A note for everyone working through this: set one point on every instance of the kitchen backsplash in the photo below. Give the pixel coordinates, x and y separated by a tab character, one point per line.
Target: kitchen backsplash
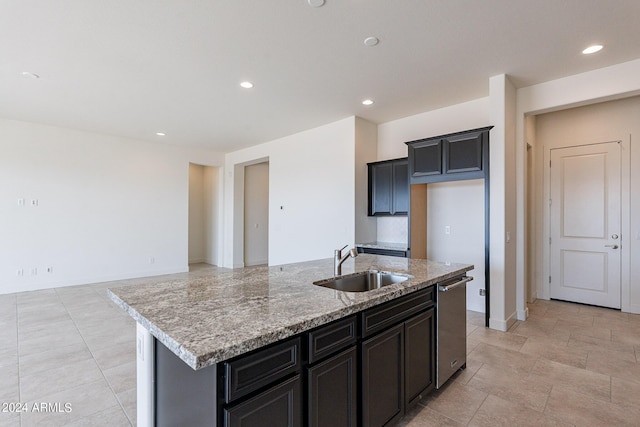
393	229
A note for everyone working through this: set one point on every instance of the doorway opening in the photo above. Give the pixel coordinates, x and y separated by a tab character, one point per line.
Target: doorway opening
256	214
204	216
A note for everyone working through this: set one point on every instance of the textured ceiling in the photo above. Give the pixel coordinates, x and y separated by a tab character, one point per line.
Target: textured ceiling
135	67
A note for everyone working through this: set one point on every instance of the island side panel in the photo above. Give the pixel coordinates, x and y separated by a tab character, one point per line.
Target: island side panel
145	356
183	396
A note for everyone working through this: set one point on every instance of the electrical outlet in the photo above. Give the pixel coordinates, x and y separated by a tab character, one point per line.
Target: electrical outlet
152	260
482	292
447	229
34	202
50	270
34	271
21	202
20	272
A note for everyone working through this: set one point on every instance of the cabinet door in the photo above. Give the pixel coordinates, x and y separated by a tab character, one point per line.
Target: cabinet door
279	406
400	197
333	391
419	356
463	153
380	189
426	158
383	377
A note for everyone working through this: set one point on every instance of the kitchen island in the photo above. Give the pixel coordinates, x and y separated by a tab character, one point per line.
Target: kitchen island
216	349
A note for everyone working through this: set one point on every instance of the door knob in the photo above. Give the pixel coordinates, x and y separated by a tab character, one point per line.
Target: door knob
611	246
614	236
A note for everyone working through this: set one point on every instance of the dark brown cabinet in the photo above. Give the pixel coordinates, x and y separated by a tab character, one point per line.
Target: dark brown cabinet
389	187
280	405
398	358
383	377
452	157
333	391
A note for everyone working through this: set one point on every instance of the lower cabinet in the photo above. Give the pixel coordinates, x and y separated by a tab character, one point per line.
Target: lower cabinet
280	405
397	369
333	391
383	377
365	370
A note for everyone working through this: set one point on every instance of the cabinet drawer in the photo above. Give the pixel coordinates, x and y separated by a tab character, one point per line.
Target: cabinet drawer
381	317
331	338
278	406
249	373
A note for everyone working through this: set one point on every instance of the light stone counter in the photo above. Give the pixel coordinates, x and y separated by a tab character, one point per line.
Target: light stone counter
206	319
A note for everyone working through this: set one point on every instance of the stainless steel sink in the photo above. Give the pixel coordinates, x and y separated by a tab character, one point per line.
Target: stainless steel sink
363	281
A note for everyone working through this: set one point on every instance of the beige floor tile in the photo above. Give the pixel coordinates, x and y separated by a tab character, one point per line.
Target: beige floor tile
9	384
122	377
518	388
555	350
500	412
110	417
583	410
603	363
631	336
85	400
64	327
9	420
115	355
623	324
128	401
42	317
56	357
471	327
456	401
48	342
597	344
118	336
625	392
536	326
592	331
506	340
425	417
476	318
502	358
538	308
580	380
464	375
472	344
8	356
56	380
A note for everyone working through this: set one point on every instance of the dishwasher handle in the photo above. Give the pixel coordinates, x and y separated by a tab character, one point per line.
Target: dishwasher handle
452	286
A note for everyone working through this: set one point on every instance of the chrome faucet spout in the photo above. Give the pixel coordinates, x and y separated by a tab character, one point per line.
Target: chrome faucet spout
339	259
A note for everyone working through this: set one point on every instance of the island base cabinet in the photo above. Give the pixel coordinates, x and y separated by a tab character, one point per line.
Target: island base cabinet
383	378
333	391
280	406
419	357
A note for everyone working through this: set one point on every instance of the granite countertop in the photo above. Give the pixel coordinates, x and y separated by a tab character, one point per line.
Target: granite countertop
385	245
208	318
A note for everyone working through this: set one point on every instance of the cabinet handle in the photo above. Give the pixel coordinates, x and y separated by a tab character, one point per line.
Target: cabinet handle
611	246
454	285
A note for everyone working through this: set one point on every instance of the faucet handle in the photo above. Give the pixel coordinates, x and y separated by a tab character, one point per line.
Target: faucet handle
342	249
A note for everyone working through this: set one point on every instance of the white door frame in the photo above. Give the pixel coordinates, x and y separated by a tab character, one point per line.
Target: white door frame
544	291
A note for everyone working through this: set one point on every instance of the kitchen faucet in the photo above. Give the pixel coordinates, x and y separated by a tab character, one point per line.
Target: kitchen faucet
339	259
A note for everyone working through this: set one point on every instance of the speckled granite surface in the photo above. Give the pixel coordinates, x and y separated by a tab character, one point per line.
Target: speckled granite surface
211	318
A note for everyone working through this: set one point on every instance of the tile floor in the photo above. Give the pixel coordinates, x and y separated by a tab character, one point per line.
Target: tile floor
568	364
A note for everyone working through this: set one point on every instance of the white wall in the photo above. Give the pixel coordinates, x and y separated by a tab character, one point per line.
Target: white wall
311	194
462	200
256	214
614	82
197	218
608	121
213	191
108	208
366	151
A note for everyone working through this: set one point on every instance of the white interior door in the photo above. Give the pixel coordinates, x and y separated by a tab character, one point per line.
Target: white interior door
585	224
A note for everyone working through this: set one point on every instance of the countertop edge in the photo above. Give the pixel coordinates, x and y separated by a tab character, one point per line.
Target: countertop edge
225	353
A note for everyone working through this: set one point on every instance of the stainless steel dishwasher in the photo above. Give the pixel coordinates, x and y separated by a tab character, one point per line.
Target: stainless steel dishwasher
451	326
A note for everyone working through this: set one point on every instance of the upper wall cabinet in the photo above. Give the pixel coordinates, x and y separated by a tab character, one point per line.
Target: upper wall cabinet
452	157
389	188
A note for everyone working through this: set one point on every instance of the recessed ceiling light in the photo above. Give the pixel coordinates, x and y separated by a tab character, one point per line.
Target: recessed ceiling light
316	3
371	41
30	75
246	85
592	49
367	102
161	134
